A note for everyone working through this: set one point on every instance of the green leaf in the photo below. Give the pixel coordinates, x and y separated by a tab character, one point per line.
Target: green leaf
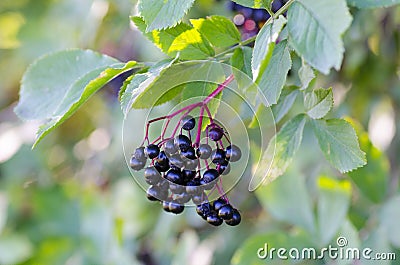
241	59
372	179
318	103
272	80
372	3
79	93
339	144
333	203
285	103
315	31
389	220
378	242
288	200
51	78
254	3
182	38
138	93
264	46
280	152
192	46
219	30
163	14
306	75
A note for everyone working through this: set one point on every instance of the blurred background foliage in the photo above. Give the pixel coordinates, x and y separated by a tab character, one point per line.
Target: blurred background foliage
73	201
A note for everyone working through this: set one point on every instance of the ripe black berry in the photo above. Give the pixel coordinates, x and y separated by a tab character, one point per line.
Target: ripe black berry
183	142
176	161
210	175
226	212
139	154
152	176
219	203
165	206
136	164
235	220
188	123
203	210
191	164
155	193
176	189
161	167
174	176
204	151
152	151
218	156
188	175
214	220
170	147
162	158
233	153
215	134
175	207
224	168
192	187
189	153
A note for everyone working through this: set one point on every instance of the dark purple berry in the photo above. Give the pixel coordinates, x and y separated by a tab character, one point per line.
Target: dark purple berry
204	151
161	167
188	123
214	220
136	164
163	184
203	210
139	154
224	168
233	153
152	176
191	164
226	212
210	175
183	197
162	158
170	147
218	156
217	204
175	207
155	193
189	153
175	188
235	220
192	187
183	142
176	161
188	175
152	151
165	206
174	176
215	134
260	15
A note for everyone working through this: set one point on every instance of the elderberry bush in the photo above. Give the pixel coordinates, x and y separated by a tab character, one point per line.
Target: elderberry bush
180	169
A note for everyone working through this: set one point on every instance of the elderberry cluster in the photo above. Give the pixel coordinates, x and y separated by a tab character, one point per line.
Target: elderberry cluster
181	171
250	20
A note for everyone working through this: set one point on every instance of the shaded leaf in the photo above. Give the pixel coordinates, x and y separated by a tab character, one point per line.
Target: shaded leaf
55	75
219	30
333	203
339	144
280	152
288	200
315	31
285	103
272	80
254	3
241	59
389	219
264	46
318	102
163	14
306	75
